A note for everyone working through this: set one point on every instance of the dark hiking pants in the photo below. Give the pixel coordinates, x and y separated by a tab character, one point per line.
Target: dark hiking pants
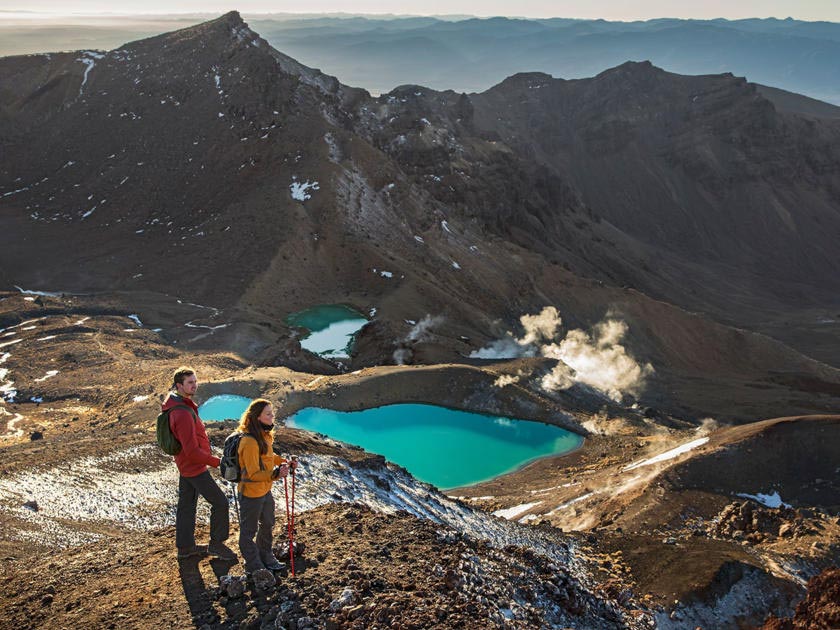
188	490
256	517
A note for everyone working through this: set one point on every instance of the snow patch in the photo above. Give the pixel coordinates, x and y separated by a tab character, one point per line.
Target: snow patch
517	510
768	500
7	388
299	189
674	452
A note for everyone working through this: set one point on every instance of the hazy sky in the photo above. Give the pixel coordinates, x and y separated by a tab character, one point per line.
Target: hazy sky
608	9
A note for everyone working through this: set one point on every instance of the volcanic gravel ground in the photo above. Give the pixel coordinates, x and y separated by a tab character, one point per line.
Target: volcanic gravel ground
356	569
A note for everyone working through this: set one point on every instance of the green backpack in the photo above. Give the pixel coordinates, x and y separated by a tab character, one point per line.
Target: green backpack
165	438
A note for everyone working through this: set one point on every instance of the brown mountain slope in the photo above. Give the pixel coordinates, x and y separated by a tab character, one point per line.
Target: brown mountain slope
206	165
738	200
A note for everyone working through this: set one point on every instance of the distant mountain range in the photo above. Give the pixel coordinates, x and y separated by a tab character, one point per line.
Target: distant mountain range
207	164
470	55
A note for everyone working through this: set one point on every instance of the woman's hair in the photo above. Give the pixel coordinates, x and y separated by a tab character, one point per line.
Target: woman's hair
249	423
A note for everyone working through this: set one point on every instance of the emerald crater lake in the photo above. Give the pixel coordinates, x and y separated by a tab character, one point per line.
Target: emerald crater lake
445	447
330	328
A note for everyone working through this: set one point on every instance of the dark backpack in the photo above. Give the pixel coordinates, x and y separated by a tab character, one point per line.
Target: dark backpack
165	438
229	465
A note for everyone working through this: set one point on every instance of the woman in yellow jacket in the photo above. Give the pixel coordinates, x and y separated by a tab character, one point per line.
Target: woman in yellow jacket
260	466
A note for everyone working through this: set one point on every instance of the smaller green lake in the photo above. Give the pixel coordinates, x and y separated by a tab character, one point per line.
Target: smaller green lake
331	329
444	447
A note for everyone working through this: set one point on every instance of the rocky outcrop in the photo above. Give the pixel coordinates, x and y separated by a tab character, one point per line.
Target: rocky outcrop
746	520
820	610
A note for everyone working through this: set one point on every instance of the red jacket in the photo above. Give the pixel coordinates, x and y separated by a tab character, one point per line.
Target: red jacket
195	455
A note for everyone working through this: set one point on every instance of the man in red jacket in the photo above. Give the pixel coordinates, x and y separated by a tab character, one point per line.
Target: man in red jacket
195	479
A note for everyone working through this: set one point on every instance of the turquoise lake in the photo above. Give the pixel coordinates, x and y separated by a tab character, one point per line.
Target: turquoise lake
331	329
444	447
223	407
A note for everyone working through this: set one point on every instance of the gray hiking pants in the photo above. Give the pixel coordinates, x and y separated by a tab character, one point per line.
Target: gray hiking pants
256	517
188	490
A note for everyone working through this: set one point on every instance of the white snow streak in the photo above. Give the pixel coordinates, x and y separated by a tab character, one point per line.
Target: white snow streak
674	452
89	60
42	293
49	374
517	510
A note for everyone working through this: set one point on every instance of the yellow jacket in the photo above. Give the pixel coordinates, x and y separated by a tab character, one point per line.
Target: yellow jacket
255	481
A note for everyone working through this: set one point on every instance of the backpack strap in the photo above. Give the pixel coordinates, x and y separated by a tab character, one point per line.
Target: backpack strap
188	408
243	479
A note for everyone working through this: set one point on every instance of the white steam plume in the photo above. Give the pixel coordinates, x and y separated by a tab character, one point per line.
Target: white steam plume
508	379
419	332
504	348
598	360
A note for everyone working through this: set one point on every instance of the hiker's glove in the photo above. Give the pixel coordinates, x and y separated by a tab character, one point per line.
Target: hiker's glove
293	465
280	471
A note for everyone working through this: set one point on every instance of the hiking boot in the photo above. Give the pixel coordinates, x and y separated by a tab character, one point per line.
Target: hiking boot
193	551
273	564
222	551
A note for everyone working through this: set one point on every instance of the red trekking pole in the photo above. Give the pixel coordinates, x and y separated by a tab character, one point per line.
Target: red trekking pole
290	518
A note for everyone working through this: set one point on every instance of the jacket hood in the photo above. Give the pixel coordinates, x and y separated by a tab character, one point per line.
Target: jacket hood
174	399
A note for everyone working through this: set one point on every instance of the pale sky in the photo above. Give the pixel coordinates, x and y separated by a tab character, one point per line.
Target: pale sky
607	9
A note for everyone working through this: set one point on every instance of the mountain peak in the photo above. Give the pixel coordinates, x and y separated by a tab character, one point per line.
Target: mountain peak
231	17
633	68
225	26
